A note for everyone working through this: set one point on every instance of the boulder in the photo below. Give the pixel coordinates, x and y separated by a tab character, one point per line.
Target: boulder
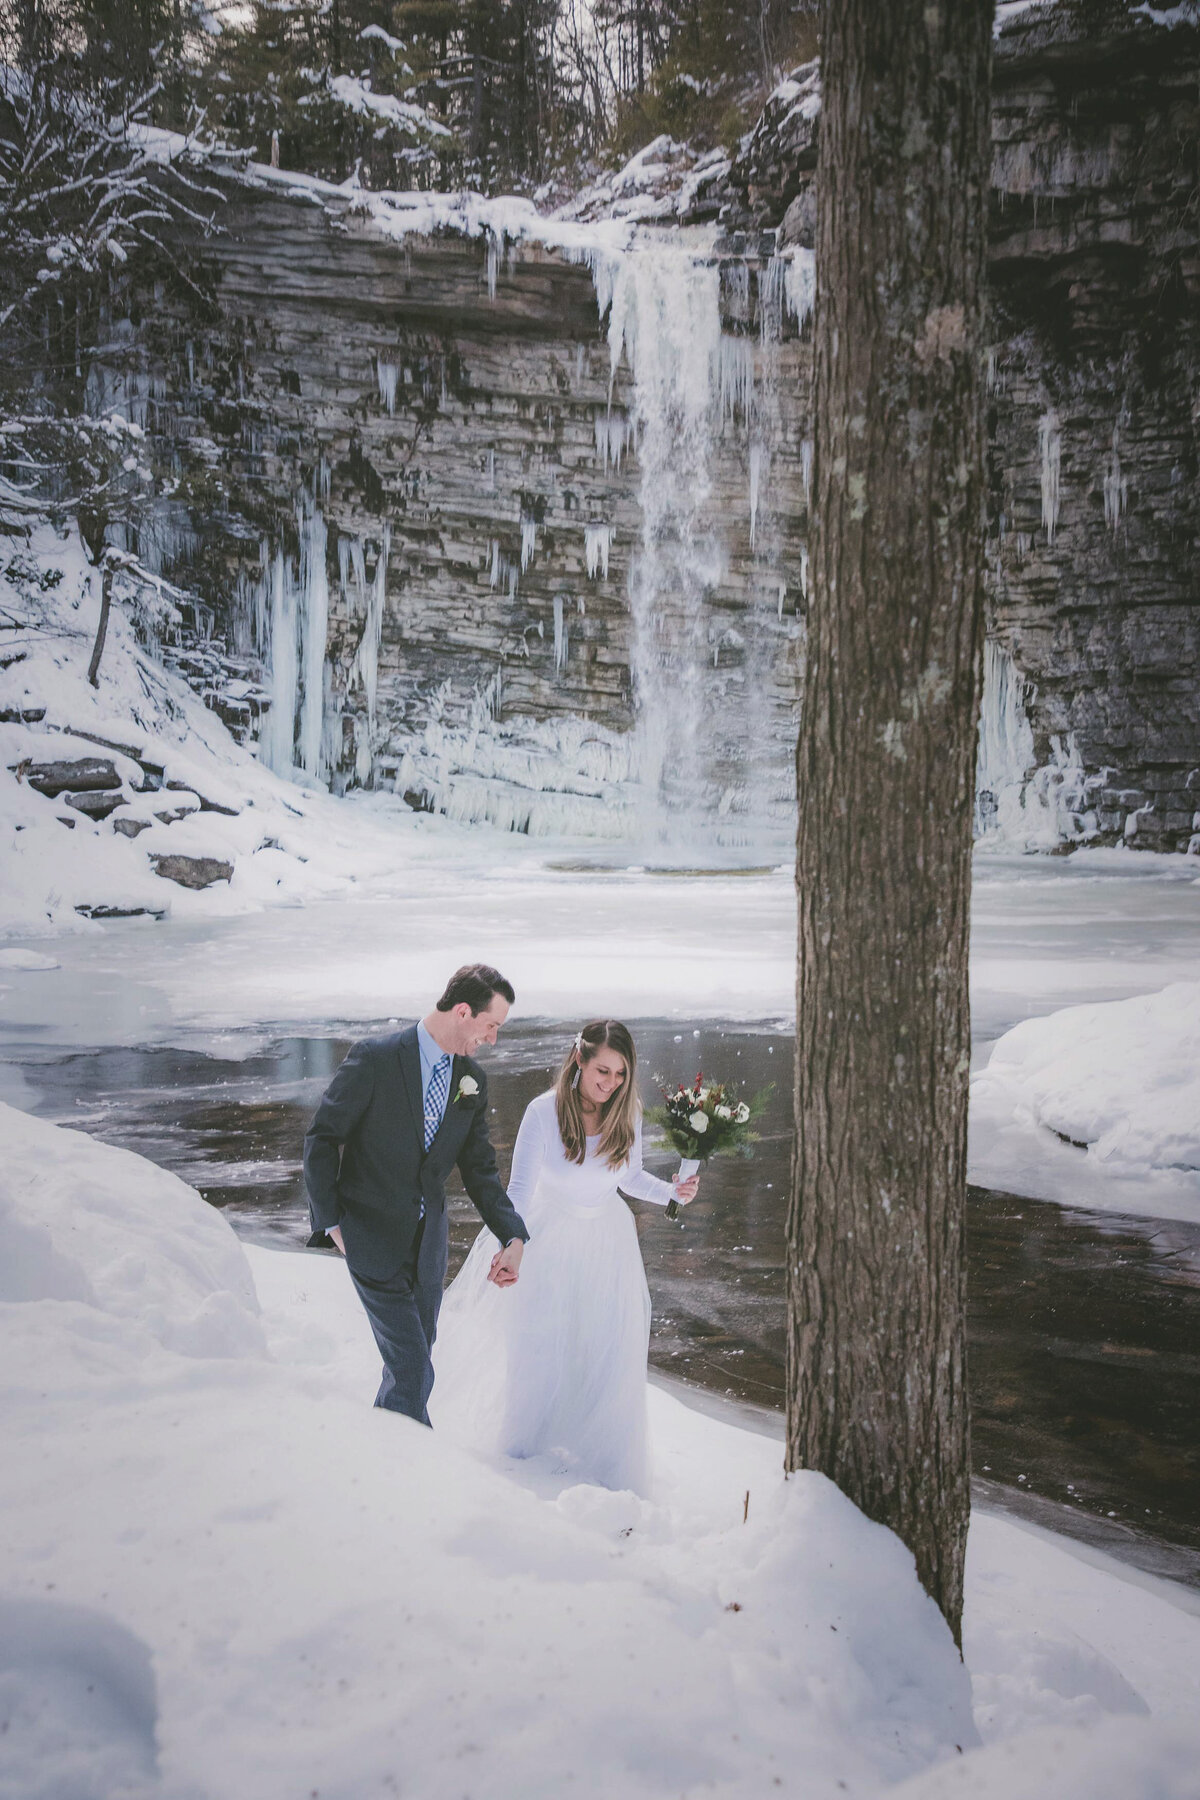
84	775
120	912
192	871
131	828
97	803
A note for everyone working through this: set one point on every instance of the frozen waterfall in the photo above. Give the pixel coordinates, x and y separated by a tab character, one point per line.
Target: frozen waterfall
1019	802
290	625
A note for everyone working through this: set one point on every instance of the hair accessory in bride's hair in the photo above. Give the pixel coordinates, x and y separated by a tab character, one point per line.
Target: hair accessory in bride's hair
579	1043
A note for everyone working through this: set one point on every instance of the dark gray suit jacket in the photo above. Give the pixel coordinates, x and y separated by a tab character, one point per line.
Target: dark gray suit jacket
367	1170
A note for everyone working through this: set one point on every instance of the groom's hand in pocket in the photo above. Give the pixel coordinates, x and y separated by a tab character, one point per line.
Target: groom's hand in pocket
506	1264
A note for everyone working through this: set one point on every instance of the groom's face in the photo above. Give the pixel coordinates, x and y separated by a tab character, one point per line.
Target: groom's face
476	1029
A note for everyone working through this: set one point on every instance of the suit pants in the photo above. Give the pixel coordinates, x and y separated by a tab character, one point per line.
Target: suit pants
403	1313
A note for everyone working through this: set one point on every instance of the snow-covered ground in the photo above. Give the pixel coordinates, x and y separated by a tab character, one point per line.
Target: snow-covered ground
1101	1101
226	1575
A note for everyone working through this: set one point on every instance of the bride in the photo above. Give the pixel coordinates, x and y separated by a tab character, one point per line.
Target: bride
557	1364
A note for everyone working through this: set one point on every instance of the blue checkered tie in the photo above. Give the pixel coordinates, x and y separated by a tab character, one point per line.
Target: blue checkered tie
435	1098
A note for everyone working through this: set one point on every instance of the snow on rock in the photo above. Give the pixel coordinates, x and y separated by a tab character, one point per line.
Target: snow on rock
87	1224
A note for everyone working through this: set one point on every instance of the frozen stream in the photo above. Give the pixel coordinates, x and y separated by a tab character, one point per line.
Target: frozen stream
205	1045
1085	1329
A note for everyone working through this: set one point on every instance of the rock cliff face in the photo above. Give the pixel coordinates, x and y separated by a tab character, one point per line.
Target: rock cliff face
1095	271
521	581
1095	396
482	564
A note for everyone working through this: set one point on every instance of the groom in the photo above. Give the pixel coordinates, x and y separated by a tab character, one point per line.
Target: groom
398	1115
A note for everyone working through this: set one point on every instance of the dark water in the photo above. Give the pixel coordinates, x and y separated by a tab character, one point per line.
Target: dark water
1084	1328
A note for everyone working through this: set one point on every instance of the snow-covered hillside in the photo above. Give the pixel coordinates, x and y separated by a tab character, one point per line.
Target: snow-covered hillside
132	797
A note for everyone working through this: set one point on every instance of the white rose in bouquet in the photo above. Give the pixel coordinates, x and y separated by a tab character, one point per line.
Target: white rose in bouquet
698	1122
742	1114
723	1112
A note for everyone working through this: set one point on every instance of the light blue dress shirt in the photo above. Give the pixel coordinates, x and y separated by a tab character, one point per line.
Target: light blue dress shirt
431	1054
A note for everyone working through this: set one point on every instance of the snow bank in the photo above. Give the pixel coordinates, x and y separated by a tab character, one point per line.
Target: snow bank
1120	1760
91	1226
225	1574
277	1589
1110	1090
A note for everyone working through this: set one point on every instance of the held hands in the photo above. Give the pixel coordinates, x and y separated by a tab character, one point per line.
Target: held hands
685	1191
335	1232
506	1264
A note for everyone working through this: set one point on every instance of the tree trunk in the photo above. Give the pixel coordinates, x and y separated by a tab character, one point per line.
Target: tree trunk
106	584
885	764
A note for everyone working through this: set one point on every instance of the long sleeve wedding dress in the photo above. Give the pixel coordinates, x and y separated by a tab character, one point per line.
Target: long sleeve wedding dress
557	1364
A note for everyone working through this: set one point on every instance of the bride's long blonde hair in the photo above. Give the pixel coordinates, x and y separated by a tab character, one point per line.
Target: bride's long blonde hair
618	1121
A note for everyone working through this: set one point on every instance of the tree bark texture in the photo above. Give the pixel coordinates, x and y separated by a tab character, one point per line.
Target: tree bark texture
106	585
885	763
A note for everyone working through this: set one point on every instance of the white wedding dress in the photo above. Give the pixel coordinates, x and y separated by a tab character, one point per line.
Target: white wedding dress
555	1365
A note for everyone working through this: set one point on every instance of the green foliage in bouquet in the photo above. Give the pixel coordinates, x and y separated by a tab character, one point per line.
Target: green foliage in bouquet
709	1118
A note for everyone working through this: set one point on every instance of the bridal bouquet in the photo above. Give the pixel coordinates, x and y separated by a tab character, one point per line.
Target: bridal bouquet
705	1119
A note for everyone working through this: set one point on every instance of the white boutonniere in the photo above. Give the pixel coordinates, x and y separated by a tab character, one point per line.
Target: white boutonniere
468	1087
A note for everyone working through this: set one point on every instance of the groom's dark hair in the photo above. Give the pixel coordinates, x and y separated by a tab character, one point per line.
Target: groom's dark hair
478	985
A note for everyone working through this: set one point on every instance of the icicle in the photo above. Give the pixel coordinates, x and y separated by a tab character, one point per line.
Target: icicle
387	374
756	463
490	479
804	571
735	366
1006	757
314	627
495	250
800	282
782	597
772	294
358	564
1116	486
277	742
561	636
612	435
597	542
1050	446
806	466
737	291
494	574
528	542
343	562
191	363
365	668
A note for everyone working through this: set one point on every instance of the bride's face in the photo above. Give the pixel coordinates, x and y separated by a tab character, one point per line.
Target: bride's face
601	1077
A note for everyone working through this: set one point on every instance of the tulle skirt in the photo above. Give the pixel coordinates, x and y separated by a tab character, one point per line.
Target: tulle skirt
555	1366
